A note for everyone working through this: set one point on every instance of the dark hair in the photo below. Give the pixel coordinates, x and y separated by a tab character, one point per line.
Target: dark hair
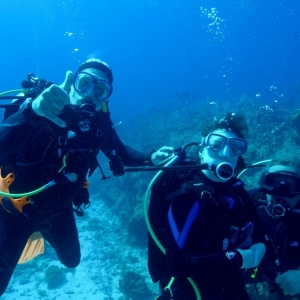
233	122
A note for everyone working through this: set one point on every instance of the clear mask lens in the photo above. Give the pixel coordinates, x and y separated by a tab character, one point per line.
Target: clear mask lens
216	142
237	146
90	85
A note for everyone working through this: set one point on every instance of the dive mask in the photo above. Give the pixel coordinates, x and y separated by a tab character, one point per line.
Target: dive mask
216	141
283	183
91	85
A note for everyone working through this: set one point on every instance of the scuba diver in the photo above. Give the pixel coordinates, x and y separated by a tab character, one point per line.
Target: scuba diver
278	202
204	226
48	148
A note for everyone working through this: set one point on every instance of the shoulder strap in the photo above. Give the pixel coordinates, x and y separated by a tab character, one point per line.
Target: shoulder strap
193	185
201	191
179	192
180	237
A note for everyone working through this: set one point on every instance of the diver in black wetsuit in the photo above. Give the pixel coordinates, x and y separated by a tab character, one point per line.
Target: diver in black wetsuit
206	222
56	137
278	205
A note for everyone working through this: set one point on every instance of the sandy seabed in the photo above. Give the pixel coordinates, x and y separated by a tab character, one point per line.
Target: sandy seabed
104	253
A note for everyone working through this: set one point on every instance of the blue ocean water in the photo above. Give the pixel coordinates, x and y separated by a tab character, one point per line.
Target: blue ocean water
156	48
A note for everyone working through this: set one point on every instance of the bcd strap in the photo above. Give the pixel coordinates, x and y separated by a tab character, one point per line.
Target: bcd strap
179	192
203	192
180	238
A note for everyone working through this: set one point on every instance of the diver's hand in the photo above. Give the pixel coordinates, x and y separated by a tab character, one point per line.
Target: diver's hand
259	251
247	256
289	282
161	154
253	255
52	100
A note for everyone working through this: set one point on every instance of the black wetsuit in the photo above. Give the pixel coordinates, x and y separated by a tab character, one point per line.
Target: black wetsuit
283	246
204	250
33	148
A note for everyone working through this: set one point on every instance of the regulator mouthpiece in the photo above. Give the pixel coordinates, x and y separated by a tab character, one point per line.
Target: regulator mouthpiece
224	171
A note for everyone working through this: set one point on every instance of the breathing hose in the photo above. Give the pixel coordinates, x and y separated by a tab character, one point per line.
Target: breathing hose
168	162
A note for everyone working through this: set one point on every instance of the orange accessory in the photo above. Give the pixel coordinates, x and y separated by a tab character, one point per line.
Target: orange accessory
86	185
4	185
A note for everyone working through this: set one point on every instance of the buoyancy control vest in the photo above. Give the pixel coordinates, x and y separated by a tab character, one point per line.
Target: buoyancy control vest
281	229
100	135
210	204
283	240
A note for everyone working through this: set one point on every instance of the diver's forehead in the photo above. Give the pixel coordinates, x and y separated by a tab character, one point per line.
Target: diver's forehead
97	73
278	168
225	133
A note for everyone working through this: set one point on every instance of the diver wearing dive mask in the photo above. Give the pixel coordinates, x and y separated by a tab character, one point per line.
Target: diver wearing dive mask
91	90
282	188
90	86
222	146
279	195
40	142
202	221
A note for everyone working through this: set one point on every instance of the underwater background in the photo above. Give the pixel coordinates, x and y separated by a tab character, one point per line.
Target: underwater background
176	65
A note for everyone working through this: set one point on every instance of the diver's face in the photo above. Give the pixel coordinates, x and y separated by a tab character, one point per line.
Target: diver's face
90	94
223	154
290	201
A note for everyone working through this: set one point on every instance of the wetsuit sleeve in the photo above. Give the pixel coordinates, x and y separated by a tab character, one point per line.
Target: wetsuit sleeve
129	155
14	133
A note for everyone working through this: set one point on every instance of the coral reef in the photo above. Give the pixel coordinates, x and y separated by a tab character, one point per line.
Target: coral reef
133	286
54	277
